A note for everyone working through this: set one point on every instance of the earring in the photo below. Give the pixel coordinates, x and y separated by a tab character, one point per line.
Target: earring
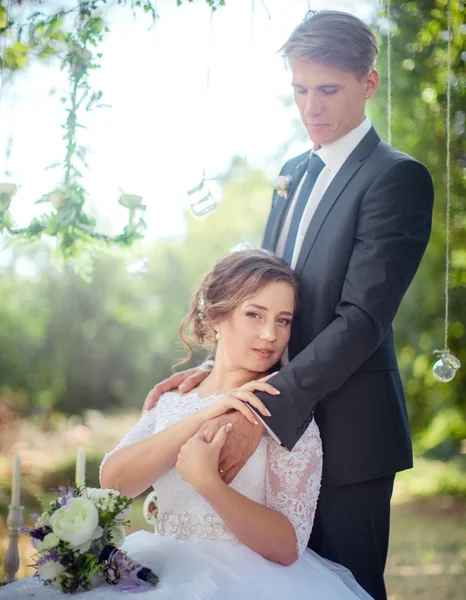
218	336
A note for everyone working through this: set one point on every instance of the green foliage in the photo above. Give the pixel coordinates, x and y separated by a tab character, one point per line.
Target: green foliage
214	4
69	345
78	49
89	565
419	72
433	478
74	229
63	473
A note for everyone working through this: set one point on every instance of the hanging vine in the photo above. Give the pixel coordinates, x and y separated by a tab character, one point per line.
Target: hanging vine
78	49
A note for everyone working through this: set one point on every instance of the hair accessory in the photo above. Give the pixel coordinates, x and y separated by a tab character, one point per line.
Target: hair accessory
200	308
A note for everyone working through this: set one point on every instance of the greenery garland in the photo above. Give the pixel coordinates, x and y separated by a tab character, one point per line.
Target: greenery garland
68	222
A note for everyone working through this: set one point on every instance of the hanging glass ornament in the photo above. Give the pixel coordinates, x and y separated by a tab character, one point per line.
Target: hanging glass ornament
201	200
130	201
138	267
445	367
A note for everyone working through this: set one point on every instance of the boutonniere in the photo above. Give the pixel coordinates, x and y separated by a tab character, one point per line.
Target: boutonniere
281	185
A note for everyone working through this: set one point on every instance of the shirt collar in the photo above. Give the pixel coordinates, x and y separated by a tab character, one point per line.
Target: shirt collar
335	153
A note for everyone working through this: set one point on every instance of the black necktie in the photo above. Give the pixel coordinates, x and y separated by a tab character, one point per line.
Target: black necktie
314	167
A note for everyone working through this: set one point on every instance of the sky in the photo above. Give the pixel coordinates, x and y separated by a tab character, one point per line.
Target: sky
164	126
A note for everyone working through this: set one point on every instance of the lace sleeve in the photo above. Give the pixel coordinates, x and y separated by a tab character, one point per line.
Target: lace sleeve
293	482
143	428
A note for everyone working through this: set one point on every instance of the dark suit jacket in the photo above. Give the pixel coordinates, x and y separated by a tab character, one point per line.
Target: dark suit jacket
360	253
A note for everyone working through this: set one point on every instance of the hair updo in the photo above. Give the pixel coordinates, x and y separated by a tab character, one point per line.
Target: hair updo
235	277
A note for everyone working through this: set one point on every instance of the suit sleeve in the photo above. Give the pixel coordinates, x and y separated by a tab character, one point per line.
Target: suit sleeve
392	233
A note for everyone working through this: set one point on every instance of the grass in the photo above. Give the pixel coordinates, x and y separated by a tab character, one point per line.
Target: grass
427	555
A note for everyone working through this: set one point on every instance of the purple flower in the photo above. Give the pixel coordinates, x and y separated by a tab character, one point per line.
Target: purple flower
39	533
52	555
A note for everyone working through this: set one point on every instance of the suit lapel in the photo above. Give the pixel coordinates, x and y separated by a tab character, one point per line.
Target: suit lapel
280	207
351	166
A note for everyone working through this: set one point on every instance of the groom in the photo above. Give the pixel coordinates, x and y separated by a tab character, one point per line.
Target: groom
353	222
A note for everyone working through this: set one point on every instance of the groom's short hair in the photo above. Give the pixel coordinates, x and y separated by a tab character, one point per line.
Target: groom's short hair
335	38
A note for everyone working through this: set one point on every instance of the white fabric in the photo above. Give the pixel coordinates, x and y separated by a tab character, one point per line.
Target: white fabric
221	568
334	156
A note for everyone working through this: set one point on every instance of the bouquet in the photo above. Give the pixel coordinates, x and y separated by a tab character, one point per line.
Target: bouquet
77	538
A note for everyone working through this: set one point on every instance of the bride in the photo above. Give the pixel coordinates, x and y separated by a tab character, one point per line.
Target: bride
216	541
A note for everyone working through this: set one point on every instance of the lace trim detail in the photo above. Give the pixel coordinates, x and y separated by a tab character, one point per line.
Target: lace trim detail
186	526
170	408
293	482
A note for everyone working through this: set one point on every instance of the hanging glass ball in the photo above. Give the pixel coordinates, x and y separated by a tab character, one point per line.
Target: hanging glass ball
138	267
445	368
201	200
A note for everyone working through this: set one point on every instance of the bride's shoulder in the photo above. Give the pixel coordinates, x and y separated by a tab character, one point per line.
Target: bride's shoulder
175	395
188	398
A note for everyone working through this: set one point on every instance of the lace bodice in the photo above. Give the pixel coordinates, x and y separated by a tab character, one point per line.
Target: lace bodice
286	481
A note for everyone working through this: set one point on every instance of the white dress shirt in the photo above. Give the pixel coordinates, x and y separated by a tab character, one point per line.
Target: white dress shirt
334	155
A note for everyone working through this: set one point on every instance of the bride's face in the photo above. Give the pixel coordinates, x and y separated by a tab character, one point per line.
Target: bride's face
255	334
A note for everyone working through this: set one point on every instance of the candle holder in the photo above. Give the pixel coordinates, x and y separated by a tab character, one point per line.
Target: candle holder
13	523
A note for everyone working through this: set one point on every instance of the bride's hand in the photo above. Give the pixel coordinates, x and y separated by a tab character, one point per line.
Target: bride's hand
236	400
198	460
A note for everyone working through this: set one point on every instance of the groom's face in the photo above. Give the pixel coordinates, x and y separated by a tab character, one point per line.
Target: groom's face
331	101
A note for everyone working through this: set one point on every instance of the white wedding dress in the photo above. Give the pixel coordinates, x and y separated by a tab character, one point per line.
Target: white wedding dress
192	551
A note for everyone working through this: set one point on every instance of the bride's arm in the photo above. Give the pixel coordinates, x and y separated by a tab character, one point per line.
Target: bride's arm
135	467
140	459
280	530
264	530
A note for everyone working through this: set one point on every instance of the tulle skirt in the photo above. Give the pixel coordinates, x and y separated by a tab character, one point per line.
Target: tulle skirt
212	570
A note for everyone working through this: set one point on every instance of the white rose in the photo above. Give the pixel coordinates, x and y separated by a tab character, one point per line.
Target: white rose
95	536
50	541
118	534
50	570
281	184
75	522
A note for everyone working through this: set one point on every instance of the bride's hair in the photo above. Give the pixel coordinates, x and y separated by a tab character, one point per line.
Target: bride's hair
235	277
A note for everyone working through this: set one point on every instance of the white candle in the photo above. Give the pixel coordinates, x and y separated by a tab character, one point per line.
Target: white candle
16	481
80	466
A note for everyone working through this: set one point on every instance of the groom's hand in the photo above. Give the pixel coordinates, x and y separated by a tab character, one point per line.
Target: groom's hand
185	381
241	444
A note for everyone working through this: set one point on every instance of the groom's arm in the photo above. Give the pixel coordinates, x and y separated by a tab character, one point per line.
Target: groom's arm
393	230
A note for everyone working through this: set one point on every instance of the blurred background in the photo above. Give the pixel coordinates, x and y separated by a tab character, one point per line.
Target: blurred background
190	95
